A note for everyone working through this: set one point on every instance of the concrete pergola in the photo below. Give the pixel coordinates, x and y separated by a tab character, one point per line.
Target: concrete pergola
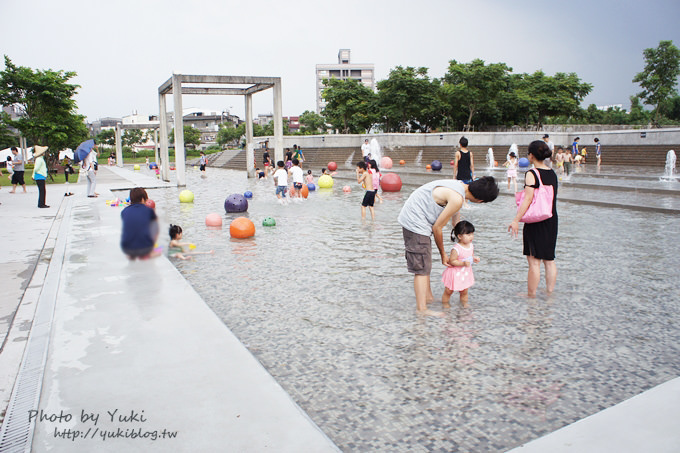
119	141
175	86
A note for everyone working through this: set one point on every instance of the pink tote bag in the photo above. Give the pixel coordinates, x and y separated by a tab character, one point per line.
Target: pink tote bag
540	208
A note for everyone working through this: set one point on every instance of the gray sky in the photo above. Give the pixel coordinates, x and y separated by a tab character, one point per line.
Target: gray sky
123	50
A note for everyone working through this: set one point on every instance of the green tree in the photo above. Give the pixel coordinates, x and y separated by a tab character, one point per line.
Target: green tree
409	101
474	87
660	77
350	106
7	138
45	99
133	137
670	108
192	136
230	134
544	95
311	123
106	137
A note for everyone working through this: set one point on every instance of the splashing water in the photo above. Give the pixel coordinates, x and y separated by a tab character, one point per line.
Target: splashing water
513	149
376	153
669	172
489	159
348	162
419	158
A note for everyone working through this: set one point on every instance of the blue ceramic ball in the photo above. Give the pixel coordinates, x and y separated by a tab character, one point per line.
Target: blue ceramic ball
436	165
236	203
523	162
248	194
311	186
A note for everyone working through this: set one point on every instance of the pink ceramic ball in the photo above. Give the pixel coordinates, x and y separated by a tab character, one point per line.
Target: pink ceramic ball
385	162
347	189
213	220
453	162
332	166
150	203
391	182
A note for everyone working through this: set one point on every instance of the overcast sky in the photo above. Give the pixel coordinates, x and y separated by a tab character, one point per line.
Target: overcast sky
123	50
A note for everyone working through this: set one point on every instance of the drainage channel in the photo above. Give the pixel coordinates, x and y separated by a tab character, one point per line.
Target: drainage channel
16	434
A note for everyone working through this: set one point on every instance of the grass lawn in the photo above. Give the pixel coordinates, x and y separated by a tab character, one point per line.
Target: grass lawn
6	180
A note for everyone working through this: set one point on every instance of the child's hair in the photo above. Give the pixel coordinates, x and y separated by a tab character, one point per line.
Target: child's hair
362	165
296	162
138	195
374	164
539	149
175	230
462	227
463	142
257	169
9	159
323	170
597	139
309	172
280	164
485	188
512	154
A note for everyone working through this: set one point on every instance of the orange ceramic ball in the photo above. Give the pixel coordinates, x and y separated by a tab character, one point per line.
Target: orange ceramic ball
213	220
495	163
304	191
332	166
390	182
241	228
347	189
428	167
402	162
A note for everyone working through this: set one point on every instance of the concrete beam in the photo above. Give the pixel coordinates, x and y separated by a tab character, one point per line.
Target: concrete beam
259	87
140	126
216	91
237	80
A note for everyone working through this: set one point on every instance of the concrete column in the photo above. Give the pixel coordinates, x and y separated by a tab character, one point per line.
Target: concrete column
24	148
250	145
164	156
278	121
119	147
179	130
155	145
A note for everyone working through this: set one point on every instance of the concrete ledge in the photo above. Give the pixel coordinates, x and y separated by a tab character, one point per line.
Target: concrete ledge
646	422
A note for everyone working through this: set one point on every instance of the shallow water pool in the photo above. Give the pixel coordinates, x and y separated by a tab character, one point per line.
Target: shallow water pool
324	301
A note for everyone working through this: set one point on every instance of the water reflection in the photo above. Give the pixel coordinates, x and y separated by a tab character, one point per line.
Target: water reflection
343	339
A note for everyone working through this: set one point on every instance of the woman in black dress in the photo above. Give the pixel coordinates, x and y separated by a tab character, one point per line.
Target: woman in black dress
540	237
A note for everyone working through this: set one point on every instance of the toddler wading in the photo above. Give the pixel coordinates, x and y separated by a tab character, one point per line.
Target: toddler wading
458	275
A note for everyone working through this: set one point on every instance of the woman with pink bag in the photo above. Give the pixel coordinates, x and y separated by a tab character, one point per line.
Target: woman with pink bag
539	237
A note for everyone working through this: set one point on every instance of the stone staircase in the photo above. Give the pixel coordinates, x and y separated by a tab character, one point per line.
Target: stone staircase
317	158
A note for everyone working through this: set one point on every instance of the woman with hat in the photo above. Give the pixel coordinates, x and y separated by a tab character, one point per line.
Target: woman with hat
40	174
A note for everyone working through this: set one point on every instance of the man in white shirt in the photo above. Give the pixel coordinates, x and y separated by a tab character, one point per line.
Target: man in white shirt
551	145
365	149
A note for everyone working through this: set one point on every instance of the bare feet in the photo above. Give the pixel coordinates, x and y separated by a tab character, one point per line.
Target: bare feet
429	312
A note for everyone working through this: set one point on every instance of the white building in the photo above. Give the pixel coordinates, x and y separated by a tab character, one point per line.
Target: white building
364	73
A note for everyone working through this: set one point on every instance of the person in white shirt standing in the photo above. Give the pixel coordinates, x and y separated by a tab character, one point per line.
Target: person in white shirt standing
365	150
298	178
551	145
90	166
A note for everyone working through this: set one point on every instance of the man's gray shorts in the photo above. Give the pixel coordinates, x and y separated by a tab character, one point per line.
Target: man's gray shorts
418	252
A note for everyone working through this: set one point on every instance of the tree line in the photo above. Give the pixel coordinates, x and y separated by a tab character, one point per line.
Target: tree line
470	96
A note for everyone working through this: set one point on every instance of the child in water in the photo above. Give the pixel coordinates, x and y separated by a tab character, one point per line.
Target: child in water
511	163
458	276
179	249
309	178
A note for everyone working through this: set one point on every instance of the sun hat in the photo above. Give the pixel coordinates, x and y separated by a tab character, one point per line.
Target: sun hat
39	150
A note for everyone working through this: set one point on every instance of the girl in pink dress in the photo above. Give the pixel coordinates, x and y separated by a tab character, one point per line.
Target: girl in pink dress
458	275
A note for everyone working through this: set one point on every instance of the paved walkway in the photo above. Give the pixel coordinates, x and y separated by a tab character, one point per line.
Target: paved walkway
133	359
125	356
